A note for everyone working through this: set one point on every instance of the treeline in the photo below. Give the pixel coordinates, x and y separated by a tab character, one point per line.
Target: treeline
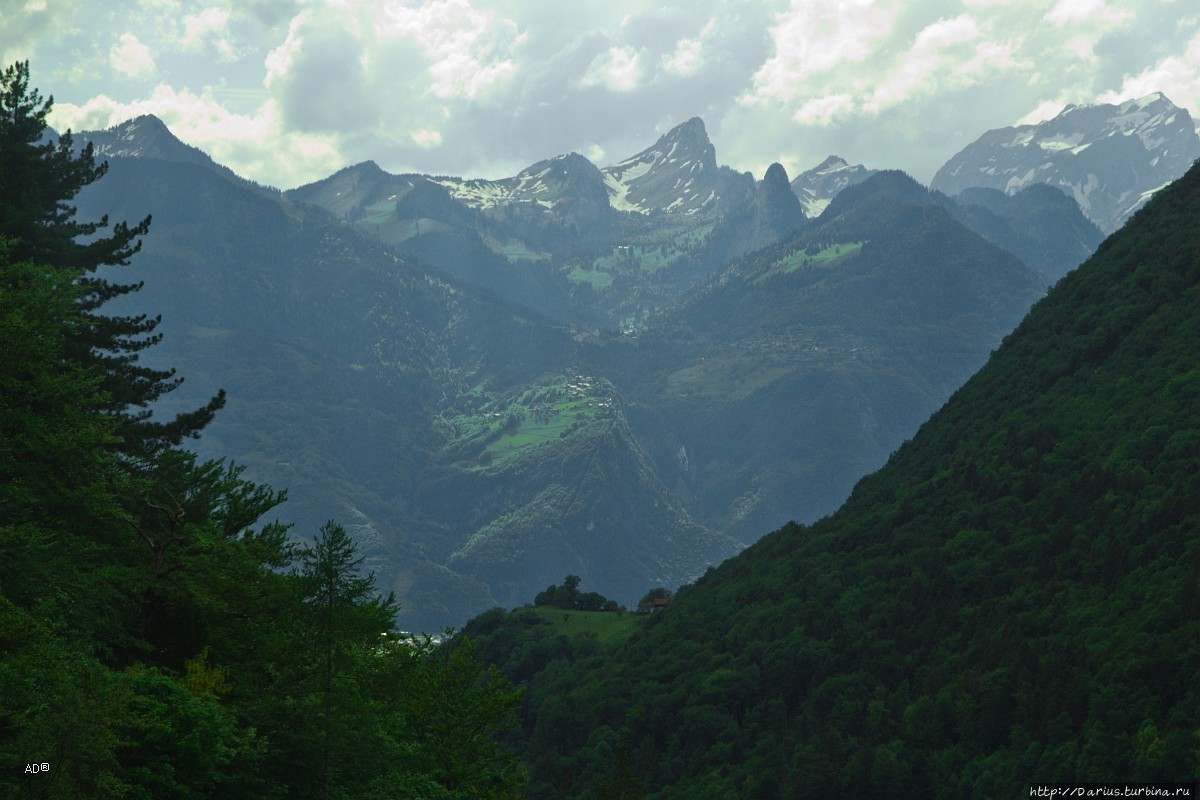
157	638
567	596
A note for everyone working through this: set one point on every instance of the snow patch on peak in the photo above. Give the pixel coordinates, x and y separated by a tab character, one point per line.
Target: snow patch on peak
1064	143
1142	102
662	177
818	186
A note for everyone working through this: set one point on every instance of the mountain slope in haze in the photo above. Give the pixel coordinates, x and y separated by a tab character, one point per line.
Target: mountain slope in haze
421	388
1012	600
798	369
585	497
547	239
1039	224
360	381
678	174
147	136
1110	158
576	243
777	214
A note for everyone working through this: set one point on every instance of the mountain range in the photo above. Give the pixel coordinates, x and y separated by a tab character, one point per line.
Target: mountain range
624	373
1110	158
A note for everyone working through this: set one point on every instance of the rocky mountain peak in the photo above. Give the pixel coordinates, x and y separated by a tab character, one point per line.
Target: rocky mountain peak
1110	157
778	213
146	136
775	175
677	174
690	133
817	187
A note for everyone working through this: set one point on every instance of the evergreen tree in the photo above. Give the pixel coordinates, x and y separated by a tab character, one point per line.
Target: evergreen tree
39	177
153	643
348	616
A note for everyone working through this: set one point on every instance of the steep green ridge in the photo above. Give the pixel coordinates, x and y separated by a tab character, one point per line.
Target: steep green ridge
1014	598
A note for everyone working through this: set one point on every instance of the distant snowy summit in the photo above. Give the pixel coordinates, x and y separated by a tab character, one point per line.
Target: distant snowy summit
142	137
818	186
679	174
1110	158
148	137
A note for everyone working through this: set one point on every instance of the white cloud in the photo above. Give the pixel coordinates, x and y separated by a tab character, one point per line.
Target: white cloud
928	57
28	24
257	146
1083	47
318	79
1176	76
427	138
485	87
131	58
618	69
209	26
813	38
824	110
686	59
467	48
1044	111
1067	12
688	56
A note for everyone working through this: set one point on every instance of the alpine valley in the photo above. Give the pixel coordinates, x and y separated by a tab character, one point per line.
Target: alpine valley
627	373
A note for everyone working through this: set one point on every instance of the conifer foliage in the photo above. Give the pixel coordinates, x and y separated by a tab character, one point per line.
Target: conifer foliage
157	639
39	178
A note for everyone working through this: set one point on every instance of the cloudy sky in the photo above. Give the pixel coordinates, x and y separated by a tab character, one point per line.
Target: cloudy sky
287	91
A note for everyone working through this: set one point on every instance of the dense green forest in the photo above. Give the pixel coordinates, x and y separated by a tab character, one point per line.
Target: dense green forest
158	637
1014	598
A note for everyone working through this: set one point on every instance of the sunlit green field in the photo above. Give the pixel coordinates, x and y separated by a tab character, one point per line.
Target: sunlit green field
609	627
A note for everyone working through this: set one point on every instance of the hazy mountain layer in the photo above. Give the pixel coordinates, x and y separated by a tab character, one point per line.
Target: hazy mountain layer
839	343
391	399
413	365
1110	158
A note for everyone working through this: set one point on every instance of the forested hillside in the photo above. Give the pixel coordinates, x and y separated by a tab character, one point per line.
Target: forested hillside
159	637
1014	598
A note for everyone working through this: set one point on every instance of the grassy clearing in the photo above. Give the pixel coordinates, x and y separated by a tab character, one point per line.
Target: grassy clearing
376	213
609	627
396	231
514	250
634	257
533	431
802	258
203	332
503	427
599	279
647	255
